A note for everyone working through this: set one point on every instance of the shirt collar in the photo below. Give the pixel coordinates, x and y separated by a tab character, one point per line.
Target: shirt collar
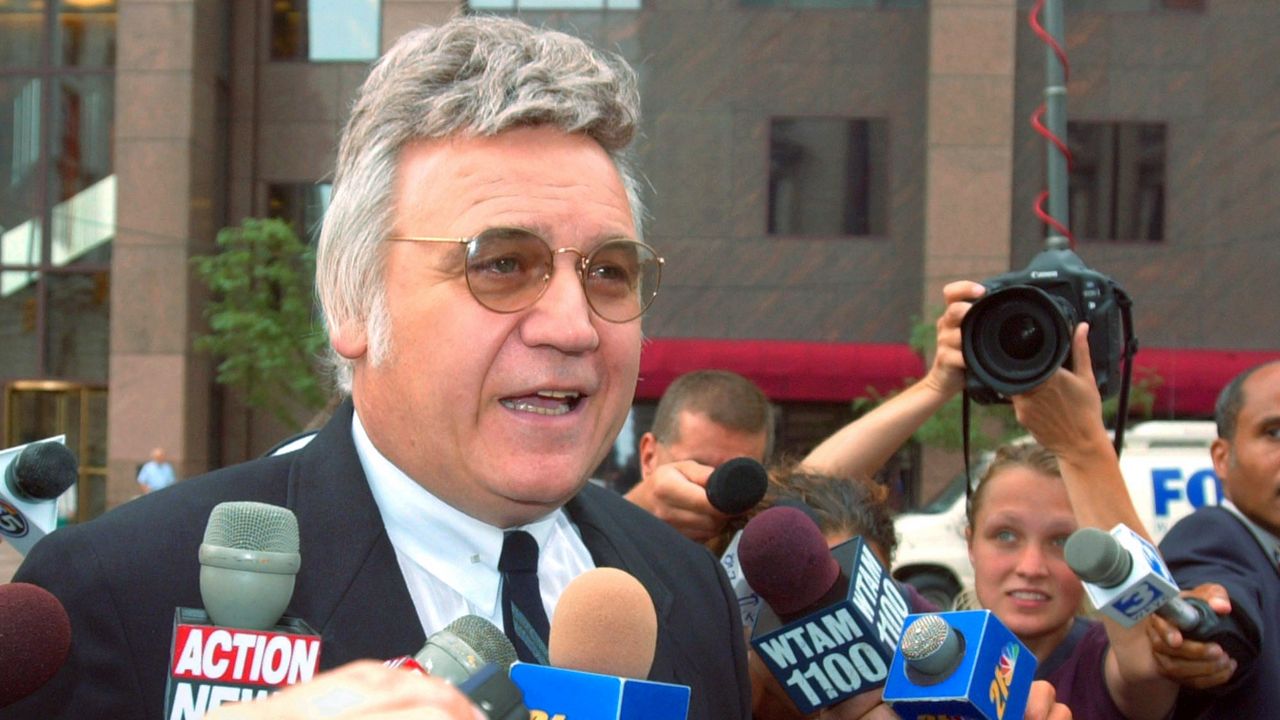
1269	542
459	550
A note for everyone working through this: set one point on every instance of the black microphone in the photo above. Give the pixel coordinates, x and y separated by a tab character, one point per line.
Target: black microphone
34	476
35	639
832	617
240	647
737	485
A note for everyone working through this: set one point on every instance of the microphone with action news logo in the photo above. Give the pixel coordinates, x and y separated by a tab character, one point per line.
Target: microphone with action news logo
473	654
35	638
603	640
1127	580
959	664
34	476
240	647
832	617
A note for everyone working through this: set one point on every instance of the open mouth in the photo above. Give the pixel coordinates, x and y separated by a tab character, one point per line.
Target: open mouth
1031	595
544	402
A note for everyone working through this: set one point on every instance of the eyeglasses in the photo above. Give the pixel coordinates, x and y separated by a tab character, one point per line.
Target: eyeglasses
508	269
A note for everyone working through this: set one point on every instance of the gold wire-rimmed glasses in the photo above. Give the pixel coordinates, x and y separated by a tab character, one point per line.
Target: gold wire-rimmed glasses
508	269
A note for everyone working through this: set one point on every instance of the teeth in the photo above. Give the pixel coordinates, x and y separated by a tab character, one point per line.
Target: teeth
557	394
1029	595
524	406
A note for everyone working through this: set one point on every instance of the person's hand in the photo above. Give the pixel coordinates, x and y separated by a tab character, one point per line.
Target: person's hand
1187	662
1064	413
676	493
1042	703
364	690
946	375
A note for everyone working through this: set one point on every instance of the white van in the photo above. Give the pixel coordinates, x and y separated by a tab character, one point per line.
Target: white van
1165	463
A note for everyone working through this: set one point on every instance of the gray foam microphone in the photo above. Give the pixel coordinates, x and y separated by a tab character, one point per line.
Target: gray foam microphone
462	648
931	649
248	563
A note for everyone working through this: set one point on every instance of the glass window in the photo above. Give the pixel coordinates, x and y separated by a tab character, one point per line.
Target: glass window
81	182
1117	180
87	33
18	338
19	170
818	4
21	29
78	338
301	205
517	5
828	177
1121	6
325	30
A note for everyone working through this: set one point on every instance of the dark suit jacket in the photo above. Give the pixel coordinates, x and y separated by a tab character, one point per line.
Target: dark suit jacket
121	576
1212	545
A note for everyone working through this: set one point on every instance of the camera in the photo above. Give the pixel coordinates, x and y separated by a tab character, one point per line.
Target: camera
1018	333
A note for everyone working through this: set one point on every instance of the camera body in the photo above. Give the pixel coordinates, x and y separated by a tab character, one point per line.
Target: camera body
1019	333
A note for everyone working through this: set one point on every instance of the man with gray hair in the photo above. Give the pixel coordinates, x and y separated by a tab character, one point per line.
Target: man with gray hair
483	275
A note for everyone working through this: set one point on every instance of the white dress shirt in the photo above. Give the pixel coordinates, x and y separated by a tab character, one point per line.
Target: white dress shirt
448	558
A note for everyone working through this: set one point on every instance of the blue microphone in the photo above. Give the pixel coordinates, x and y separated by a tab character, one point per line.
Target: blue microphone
963	664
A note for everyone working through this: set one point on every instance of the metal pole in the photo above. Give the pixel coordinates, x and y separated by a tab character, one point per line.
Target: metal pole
1055	100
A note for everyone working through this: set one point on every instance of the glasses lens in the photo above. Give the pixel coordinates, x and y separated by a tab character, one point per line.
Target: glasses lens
507	268
622	279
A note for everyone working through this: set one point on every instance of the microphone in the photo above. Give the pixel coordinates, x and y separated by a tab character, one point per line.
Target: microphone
1127	581
473	654
35	639
240	647
737	485
34	476
749	601
959	664
831	618
603	639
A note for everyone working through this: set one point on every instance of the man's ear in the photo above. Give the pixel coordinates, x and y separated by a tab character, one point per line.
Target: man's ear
1220	451
648	453
349	340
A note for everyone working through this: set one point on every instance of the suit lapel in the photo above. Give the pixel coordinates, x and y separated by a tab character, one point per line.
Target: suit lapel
350	587
592	519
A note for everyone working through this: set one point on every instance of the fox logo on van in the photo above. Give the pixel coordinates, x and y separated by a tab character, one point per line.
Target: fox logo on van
1167	486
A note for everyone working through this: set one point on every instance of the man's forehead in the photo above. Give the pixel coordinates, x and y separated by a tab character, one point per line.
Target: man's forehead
1261	392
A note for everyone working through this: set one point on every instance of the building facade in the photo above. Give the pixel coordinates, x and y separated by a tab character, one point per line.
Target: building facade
818	169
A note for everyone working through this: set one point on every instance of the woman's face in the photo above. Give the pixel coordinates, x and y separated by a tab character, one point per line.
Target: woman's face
1016	547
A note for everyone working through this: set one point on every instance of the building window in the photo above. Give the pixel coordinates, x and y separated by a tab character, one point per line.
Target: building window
1117	180
518	5
828	176
325	30
1127	6
834	4
302	205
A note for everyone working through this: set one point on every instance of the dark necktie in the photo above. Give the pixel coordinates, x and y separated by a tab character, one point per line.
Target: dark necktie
522	613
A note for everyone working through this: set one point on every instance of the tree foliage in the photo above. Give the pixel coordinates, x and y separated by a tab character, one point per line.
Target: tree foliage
261	322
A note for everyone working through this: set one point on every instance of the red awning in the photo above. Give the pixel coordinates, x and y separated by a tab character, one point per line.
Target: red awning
790	371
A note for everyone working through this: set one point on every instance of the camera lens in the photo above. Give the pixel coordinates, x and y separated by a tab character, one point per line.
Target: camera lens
1014	338
1021	337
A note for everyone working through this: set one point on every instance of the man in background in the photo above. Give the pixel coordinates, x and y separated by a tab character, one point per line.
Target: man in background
156	473
704	418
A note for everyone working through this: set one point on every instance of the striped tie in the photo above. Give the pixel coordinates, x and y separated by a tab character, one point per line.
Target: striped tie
523	616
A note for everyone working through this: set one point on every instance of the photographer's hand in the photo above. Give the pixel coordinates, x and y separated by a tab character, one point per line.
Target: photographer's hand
946	375
1065	412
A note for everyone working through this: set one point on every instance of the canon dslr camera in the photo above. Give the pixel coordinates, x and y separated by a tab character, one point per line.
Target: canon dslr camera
1018	333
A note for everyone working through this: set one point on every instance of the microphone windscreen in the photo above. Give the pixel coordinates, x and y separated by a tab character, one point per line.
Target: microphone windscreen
489	643
1097	558
252	526
786	560
737	485
604	623
42	471
35	638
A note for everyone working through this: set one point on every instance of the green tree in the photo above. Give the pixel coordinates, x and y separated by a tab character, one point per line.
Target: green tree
261	322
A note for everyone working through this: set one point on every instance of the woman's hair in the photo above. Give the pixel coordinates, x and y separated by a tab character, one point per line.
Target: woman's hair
842	505
1029	455
472	76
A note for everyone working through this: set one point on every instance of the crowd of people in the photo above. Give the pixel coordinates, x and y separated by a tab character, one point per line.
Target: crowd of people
483	274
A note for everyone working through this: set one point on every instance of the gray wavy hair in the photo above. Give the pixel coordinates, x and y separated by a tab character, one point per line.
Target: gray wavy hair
475	75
